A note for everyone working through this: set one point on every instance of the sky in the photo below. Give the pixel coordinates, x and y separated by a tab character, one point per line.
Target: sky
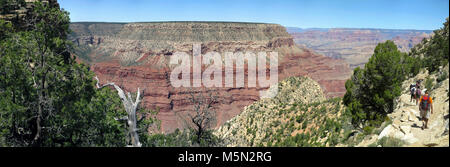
386	14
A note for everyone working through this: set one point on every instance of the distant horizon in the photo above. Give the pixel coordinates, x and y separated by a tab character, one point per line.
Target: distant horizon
105	22
377	14
361	28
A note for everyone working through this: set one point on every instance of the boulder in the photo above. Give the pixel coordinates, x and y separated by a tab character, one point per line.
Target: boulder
386	131
396	123
446	128
404	117
413	117
405	129
397	134
368	140
416	113
409	138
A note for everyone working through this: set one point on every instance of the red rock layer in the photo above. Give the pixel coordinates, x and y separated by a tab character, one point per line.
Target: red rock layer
174	104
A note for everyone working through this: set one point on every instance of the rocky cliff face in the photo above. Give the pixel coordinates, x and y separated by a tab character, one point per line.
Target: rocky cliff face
355	46
137	55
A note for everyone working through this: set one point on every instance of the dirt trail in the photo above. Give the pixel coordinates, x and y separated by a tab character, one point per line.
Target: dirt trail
436	125
405	118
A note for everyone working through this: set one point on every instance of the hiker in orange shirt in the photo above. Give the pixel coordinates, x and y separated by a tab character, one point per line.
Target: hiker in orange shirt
425	106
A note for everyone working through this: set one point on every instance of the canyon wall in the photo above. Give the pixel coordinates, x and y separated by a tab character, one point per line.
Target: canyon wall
355	46
138	54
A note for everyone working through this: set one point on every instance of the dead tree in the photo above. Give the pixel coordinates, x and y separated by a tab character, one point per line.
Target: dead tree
130	108
204	114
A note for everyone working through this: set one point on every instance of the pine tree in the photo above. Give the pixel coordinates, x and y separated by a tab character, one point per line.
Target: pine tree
47	98
371	91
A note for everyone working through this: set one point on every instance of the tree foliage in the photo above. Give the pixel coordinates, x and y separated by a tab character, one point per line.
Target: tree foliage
6	6
371	91
434	52
47	98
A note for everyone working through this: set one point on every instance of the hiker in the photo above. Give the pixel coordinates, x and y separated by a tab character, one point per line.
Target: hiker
418	83
425	106
418	94
412	89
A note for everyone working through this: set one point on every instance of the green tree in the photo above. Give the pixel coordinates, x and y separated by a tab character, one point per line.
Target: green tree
371	91
47	98
6	6
434	51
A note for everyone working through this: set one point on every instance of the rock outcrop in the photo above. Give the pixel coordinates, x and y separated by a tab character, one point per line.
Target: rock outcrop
300	111
137	55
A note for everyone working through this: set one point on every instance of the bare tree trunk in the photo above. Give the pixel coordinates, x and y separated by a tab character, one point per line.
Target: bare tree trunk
130	108
38	122
41	97
204	115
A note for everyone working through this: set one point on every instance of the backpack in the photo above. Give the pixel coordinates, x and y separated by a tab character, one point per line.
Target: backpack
412	86
425	103
418	93
413	91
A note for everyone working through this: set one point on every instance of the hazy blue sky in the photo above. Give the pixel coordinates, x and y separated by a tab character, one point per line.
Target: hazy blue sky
393	14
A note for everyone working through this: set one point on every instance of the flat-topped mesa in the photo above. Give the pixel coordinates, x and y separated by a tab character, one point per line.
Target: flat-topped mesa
182	32
138	54
134	40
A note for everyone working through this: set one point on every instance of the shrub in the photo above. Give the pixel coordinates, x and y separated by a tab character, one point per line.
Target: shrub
373	145
428	83
276	123
323	109
299	118
249	131
390	142
304	125
368	129
442	77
